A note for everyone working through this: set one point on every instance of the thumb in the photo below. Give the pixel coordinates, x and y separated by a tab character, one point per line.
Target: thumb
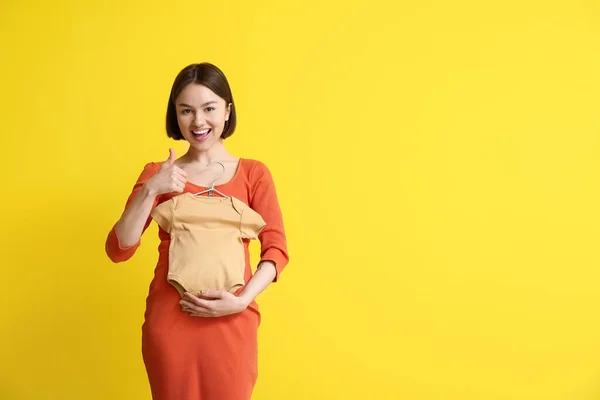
170	160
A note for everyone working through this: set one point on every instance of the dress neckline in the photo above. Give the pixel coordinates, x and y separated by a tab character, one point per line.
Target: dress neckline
235	175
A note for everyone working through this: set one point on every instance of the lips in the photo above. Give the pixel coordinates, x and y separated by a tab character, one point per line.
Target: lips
198	132
201	134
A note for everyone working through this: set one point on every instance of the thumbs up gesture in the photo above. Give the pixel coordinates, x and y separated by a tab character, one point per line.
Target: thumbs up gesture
169	178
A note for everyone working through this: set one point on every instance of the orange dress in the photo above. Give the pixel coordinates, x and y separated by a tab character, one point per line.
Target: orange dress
197	358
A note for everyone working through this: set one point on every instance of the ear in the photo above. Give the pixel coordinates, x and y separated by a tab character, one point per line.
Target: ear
228	112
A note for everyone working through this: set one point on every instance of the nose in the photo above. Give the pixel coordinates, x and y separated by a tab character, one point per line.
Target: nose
199	119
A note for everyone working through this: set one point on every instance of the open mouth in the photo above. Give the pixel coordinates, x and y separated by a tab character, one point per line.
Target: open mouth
201	133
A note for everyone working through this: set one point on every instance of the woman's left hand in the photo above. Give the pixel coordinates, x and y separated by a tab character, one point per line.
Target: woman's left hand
213	303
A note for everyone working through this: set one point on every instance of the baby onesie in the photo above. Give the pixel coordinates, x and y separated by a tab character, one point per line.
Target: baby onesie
207	249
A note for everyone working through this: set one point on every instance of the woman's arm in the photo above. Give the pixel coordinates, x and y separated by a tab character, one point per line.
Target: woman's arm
264	200
124	238
264	275
130	226
274	254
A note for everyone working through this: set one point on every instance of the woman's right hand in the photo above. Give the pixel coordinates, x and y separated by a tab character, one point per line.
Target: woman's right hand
169	178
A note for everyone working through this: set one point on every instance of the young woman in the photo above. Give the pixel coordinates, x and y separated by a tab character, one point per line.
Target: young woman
202	346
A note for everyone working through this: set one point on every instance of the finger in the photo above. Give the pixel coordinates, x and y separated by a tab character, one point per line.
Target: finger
187	304
181	180
176	176
192	309
171	158
203	315
191	300
177	187
180	171
195	307
176	183
213	294
206	314
197	310
169	162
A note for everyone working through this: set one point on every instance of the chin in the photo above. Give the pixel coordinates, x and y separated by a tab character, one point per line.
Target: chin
204	145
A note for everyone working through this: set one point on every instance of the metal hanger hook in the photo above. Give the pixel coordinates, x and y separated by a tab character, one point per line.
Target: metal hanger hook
212	187
217	177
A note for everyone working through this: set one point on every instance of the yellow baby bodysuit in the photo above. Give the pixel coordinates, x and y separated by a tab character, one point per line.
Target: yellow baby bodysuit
207	250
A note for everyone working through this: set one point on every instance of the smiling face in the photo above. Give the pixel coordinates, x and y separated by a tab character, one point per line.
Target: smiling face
201	116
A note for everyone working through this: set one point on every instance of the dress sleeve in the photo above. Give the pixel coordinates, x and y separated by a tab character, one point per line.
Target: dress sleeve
252	224
264	201
114	249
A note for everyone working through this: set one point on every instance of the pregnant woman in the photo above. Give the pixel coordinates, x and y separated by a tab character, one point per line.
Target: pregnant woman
202	346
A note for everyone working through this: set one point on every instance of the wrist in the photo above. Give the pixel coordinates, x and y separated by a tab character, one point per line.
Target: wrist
148	191
244	299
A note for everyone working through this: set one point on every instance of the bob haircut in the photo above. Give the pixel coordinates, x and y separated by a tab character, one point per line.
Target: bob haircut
208	75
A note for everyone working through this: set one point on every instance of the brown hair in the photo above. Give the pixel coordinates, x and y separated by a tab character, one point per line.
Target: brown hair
208	75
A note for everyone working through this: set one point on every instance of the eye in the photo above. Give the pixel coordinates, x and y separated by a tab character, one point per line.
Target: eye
210	109
186	111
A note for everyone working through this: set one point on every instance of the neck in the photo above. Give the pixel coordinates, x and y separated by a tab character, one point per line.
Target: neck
217	152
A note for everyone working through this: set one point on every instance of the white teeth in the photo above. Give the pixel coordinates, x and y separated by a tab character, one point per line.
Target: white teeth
201	132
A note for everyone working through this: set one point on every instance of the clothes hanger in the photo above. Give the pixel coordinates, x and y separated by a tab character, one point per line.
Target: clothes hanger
212	189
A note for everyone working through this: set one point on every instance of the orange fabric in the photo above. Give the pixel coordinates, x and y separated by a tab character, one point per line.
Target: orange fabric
207	248
195	358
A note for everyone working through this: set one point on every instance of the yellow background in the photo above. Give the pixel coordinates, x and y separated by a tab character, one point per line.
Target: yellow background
437	163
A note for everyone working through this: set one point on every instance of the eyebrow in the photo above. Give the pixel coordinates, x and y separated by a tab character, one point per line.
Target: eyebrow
188	106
